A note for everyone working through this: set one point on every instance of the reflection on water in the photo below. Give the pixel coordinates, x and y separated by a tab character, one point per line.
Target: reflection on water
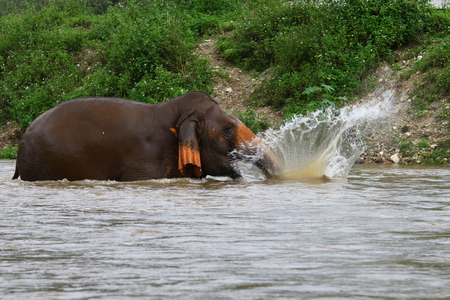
382	233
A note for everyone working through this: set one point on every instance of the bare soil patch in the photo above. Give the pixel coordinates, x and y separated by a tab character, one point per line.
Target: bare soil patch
9	135
402	124
233	86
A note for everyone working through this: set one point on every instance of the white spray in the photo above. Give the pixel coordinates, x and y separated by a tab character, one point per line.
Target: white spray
325	142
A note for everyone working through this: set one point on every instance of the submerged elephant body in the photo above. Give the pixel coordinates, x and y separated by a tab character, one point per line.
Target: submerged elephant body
124	140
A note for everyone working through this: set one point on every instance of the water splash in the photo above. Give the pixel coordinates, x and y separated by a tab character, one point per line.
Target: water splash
327	142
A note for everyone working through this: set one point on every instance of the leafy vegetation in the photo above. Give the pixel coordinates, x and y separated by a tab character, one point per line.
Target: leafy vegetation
423	144
323	43
440	154
8	152
63	49
434	63
317	52
255	124
406	147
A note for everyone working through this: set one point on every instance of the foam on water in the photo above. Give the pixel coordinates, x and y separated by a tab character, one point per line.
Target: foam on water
326	142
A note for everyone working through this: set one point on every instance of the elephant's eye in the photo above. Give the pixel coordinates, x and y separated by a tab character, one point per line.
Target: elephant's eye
228	131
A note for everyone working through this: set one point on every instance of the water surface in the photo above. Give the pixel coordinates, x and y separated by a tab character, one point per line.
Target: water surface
381	233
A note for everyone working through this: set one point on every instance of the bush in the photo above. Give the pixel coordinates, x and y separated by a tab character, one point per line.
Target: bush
333	43
64	50
9	152
318	51
251	121
407	147
37	59
435	63
150	54
8	6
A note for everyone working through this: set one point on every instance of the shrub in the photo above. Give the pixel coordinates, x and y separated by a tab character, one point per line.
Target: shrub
149	54
435	63
9	152
251	121
332	43
63	50
37	59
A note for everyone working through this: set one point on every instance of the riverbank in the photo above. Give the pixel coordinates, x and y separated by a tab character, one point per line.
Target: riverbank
405	136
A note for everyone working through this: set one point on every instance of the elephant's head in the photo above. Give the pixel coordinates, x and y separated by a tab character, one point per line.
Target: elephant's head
210	141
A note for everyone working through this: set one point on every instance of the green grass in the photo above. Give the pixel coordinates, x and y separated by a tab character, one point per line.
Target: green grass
8	152
331	43
440	155
318	52
62	49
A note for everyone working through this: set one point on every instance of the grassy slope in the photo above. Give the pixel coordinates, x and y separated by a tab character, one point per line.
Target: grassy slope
318	56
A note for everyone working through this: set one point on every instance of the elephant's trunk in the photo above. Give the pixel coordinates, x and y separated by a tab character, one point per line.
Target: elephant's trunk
269	164
252	149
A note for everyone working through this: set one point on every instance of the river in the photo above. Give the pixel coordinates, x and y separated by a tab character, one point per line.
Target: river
381	233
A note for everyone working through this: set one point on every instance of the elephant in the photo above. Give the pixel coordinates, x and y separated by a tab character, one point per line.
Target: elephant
105	138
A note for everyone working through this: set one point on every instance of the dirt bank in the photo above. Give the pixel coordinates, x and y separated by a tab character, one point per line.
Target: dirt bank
9	135
233	86
404	135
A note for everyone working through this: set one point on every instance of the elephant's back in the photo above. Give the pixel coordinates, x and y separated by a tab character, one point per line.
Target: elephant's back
95	108
85	131
89	114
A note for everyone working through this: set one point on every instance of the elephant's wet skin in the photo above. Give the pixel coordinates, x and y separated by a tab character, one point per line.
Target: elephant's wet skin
124	140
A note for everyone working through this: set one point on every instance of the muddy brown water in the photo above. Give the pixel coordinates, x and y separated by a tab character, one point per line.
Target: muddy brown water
381	233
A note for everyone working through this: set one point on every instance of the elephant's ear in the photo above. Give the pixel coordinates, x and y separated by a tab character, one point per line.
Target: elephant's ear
189	162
